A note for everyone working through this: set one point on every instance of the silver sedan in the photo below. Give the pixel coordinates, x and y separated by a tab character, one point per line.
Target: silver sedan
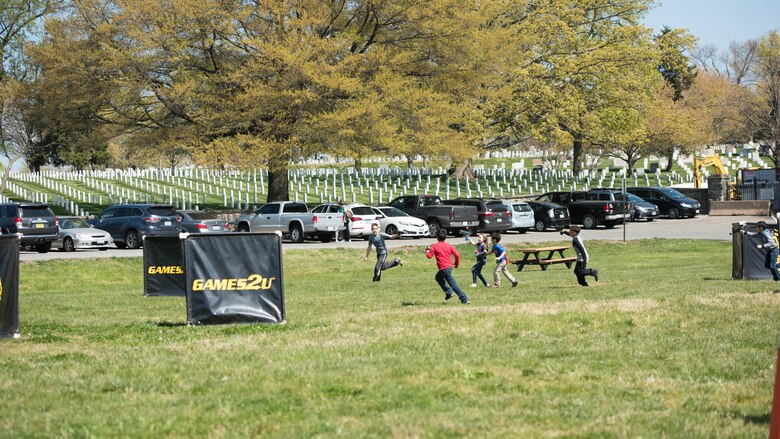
76	234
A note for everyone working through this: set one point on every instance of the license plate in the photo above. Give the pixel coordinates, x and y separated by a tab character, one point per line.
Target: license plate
39	226
167	223
332	228
499	220
697	210
465	223
215	227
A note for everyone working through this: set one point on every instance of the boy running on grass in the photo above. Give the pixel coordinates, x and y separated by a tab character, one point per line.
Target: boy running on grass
444	253
377	240
501	262
580	269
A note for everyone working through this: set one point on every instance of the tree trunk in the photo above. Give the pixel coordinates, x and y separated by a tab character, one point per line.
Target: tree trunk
669	158
359	166
576	156
464	170
409	161
278	179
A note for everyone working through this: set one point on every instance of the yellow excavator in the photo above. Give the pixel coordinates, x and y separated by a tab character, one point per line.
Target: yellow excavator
720	168
710	160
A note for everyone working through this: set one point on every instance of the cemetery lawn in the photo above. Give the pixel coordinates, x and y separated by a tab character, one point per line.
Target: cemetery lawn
665	345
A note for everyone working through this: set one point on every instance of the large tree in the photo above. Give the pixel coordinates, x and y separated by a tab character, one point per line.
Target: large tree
267	79
577	62
18	21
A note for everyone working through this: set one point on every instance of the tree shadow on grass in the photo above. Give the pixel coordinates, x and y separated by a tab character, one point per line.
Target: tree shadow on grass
414	303
754	419
170	324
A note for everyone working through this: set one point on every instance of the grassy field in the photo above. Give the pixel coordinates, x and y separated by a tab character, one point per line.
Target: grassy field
666	345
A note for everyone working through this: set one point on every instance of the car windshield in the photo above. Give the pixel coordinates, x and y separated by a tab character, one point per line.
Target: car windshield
671	193
162	211
634	199
37	212
362	210
74	223
201	216
392	211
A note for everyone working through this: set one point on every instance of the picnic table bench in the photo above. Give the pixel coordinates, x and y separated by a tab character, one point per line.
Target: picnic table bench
531	257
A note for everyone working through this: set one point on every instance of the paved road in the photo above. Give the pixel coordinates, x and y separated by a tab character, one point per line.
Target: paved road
702	227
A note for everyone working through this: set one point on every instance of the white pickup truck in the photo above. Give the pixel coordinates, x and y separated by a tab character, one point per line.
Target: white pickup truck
294	219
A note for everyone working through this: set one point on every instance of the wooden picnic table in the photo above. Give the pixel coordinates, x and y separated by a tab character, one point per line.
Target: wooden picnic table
532	257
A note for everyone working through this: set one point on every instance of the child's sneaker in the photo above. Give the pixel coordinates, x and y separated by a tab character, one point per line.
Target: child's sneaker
596	275
466	302
400	262
514	284
473	285
488	286
496	285
448	296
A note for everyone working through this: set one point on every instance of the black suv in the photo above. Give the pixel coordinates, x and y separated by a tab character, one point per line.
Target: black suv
493	215
34	221
669	201
129	223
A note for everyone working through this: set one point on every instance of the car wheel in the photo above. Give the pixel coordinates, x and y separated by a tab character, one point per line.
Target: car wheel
391	229
674	213
540	226
67	245
243	227
650	220
131	240
589	222
433	228
43	248
325	238
120	245
522	230
610	224
296	234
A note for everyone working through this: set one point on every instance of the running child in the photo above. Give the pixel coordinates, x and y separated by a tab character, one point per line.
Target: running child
444	253
377	240
481	254
580	269
501	262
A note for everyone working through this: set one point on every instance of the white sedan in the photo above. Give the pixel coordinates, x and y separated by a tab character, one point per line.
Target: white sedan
394	221
75	233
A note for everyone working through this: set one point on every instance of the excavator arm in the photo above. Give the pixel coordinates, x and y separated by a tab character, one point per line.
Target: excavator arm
711	160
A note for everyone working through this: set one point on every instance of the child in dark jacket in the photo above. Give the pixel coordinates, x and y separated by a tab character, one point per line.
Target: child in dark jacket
444	253
580	269
481	254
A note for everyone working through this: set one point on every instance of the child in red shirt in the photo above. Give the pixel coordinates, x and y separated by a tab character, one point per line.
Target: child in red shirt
444	253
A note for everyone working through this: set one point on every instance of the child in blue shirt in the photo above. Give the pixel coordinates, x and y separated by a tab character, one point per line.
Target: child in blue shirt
501	262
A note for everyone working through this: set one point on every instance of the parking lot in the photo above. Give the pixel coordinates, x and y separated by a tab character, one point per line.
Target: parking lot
701	227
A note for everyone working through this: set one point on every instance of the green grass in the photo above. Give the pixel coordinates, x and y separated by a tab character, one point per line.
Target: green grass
666	345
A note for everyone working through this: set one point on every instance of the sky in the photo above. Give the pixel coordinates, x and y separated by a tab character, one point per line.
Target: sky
717	22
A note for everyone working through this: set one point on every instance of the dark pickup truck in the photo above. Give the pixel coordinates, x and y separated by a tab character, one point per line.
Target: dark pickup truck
589	213
437	214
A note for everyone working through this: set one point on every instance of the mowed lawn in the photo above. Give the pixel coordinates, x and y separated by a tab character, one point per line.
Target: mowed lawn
665	345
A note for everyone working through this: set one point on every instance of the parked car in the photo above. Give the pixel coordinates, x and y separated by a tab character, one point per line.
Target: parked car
362	217
292	218
493	215
589	213
437	214
35	222
393	221
670	202
643	209
613	195
128	224
197	221
77	234
549	215
521	215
